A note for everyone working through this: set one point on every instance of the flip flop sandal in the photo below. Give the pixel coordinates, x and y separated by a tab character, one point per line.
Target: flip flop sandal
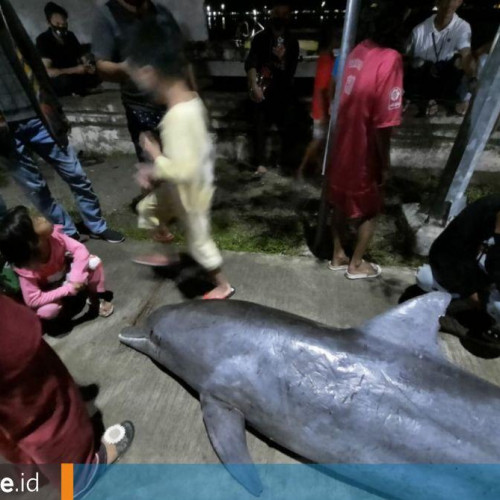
365	276
337	268
228	296
153	260
102	313
168	238
121	436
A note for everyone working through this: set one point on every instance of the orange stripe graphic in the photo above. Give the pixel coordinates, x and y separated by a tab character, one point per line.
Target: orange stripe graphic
67	482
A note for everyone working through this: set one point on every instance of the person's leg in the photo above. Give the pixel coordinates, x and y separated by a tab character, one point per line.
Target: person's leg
415	90
283	112
67	165
139	121
27	175
96	287
259	134
339	258
204	250
49	311
451	85
365	234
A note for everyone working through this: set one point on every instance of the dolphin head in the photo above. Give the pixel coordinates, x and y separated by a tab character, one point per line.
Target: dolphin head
159	337
136	337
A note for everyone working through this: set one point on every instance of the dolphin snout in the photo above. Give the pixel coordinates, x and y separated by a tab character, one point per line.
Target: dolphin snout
133	336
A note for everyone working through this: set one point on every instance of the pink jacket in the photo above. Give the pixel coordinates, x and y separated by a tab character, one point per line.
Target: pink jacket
35	282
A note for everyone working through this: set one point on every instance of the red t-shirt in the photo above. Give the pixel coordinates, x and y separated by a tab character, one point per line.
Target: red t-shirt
321	84
372	97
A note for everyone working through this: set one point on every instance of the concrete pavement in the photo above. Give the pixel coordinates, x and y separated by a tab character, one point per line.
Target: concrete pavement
167	416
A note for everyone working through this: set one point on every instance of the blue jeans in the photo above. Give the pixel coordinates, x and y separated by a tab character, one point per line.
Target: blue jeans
31	136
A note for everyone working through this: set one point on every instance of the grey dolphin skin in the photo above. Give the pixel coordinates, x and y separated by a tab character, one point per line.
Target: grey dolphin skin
382	393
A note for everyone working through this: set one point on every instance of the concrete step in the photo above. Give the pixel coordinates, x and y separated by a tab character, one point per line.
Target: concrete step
99	126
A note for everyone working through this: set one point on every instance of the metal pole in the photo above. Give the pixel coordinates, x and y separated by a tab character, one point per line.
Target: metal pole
348	39
476	129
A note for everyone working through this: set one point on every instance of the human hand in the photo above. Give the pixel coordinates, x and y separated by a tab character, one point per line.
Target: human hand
150	145
90	69
76	287
145	176
257	94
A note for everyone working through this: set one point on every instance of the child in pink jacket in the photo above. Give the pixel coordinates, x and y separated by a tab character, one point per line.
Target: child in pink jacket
50	265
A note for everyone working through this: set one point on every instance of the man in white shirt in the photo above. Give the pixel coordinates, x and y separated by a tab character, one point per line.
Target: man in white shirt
440	53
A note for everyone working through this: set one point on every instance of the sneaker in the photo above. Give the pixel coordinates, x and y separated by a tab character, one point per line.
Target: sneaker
110	236
82	238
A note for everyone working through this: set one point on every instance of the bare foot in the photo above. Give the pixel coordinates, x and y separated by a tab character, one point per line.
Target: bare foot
221	292
363	268
339	260
163	235
154	260
261	170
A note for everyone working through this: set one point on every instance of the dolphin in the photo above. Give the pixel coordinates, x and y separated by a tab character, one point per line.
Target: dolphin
382	393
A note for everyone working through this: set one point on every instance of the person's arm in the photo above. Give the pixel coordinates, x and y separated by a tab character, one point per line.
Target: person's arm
469	63
387	111
251	65
184	144
79	272
292	58
103	47
34	297
383	140
464	49
112	72
55	72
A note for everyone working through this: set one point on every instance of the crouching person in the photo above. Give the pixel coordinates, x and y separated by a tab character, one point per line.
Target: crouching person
50	265
43	418
465	260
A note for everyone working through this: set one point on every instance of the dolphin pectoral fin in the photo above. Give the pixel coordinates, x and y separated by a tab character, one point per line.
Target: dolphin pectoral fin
226	429
414	323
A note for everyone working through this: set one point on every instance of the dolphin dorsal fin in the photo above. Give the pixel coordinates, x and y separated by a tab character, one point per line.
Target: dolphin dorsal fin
414	323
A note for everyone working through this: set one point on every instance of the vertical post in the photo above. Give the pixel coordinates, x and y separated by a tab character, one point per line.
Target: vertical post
353	8
476	129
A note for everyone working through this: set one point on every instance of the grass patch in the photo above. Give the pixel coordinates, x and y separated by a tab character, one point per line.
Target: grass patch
268	216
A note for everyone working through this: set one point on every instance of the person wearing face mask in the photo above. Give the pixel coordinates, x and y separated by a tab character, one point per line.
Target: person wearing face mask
271	66
71	70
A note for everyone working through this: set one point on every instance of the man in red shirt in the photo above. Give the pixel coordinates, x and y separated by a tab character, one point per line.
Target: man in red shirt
371	105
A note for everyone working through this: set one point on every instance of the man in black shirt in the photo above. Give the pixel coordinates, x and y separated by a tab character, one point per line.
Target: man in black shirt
465	259
271	66
70	69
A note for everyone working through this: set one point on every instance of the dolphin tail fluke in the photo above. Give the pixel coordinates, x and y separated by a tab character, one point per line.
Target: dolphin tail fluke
413	323
226	429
